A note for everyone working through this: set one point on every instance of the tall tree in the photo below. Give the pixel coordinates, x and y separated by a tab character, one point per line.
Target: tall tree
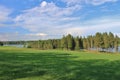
98	40
77	43
70	42
111	40
64	43
106	40
50	44
116	44
81	42
90	42
85	43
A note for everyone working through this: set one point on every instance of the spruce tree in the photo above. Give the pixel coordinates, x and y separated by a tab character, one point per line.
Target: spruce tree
85	43
77	43
64	43
111	40
116	44
106	40
70	42
98	41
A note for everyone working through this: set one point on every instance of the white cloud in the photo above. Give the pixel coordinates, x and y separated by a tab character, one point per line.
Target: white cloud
93	2
99	2
43	4
48	19
52	20
14	36
90	27
4	14
37	34
102	25
73	2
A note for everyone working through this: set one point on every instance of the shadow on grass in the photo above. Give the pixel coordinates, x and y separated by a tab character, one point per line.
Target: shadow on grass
58	66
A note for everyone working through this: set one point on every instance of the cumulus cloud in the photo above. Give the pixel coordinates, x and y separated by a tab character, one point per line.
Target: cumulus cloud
51	21
89	27
47	18
43	4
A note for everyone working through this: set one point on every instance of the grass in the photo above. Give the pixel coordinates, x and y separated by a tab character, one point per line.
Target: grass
31	64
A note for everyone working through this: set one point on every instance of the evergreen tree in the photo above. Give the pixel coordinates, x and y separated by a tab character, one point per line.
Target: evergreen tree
1	43
70	42
58	44
116	44
85	43
77	43
81	42
98	41
64	43
106	40
103	41
50	44
111	40
89	42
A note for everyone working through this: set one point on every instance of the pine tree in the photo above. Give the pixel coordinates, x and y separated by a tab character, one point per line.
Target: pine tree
64	43
77	43
50	44
81	42
106	40
98	41
85	43
111	40
116	43
90	42
70	42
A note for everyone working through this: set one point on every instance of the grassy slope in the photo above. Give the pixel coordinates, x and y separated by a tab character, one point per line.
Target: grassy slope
30	64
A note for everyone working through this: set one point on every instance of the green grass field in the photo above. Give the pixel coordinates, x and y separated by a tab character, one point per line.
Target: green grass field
31	64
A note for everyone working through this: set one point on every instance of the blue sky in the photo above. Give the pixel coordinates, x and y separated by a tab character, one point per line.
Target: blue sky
44	19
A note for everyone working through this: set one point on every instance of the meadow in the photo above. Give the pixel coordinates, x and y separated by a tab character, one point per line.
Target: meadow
32	64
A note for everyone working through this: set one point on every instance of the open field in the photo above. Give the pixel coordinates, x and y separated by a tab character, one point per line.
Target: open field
31	64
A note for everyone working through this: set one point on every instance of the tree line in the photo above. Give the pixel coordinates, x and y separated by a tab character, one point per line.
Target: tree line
99	42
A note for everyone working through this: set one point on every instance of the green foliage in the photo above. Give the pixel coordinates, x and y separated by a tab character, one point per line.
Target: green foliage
1	43
100	41
64	43
116	43
77	43
29	46
111	39
106	40
70	42
85	45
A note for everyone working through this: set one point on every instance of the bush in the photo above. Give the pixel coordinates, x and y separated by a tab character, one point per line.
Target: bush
29	46
1	44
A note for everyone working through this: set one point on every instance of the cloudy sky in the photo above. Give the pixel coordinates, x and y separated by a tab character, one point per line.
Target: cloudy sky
43	19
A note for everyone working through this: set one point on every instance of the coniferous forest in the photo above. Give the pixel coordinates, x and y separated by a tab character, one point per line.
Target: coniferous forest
99	42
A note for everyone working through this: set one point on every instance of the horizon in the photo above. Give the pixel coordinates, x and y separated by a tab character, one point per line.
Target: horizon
80	36
48	19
